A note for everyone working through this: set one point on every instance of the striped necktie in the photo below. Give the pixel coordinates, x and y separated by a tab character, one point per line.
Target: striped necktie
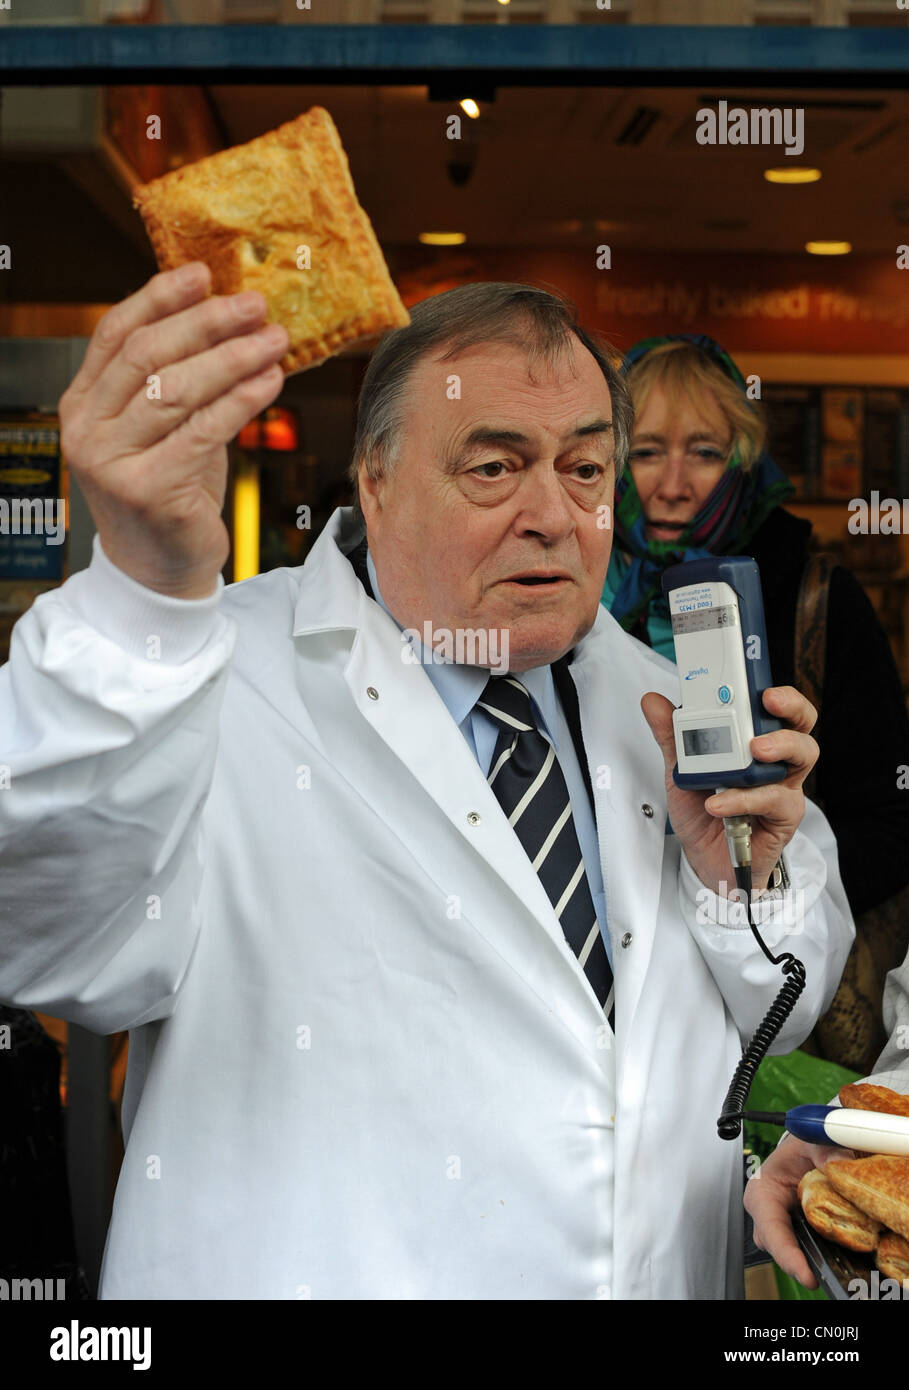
530	787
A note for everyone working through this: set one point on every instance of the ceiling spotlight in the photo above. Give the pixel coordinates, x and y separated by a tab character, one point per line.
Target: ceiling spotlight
787	175
442	238
469	107
828	248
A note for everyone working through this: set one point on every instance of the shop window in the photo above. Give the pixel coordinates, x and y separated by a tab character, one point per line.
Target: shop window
610	16
789	13
878	19
490	12
250	12
404	14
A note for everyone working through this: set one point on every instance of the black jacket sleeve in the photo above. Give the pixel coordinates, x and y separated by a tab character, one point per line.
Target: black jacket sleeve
863	734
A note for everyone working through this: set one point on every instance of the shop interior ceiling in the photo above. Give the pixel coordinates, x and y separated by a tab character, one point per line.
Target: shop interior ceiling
549	164
542	167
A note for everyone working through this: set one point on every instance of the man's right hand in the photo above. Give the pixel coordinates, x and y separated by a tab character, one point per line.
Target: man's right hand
151	457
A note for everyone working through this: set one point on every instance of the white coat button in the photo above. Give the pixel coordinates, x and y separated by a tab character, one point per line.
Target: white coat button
648	810
473	818
626	940
372	692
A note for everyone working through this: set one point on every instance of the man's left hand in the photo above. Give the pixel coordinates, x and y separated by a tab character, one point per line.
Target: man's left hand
772	1195
776	810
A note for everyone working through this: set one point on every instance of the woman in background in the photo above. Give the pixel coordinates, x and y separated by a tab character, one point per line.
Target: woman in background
700	482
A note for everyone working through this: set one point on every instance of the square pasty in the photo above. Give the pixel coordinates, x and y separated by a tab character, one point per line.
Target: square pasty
280	215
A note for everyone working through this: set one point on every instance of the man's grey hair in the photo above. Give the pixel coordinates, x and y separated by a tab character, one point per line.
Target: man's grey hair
537	322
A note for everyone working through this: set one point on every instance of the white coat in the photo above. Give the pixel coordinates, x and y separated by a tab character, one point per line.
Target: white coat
363	1061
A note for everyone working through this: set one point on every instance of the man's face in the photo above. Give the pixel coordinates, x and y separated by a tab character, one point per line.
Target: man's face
492	490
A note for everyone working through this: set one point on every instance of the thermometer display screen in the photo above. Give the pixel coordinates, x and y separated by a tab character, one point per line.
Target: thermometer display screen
703	620
699	742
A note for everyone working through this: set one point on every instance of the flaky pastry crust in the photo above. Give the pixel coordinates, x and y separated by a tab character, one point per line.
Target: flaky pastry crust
833	1216
247	211
878	1185
862	1095
892	1256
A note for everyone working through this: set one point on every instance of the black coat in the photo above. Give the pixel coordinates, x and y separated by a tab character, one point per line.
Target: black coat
863	730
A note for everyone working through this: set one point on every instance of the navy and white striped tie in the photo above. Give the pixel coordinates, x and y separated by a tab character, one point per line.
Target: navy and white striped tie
530	787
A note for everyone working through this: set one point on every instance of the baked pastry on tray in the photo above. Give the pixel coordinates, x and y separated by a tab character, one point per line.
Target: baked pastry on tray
893	1256
834	1216
862	1095
878	1185
247	212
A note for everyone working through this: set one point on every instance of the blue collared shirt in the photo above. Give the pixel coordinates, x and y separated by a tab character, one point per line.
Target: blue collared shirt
460	687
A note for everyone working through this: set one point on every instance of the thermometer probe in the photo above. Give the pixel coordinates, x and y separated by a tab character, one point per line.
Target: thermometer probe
867	1130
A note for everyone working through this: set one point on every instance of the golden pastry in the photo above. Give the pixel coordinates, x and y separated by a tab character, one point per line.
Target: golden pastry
863	1096
892	1256
878	1185
280	215
833	1216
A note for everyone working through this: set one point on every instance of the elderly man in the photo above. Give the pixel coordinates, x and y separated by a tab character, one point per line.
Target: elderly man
426	996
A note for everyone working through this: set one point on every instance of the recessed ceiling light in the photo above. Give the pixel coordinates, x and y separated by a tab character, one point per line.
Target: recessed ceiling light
787	175
828	248
443	238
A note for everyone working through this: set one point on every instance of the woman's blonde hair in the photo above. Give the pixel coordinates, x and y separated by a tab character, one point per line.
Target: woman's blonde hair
682	369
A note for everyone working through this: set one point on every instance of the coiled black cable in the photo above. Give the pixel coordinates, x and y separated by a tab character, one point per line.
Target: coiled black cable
729	1125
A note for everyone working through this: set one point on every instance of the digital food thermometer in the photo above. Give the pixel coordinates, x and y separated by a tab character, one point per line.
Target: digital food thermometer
720	641
717	615
868	1130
